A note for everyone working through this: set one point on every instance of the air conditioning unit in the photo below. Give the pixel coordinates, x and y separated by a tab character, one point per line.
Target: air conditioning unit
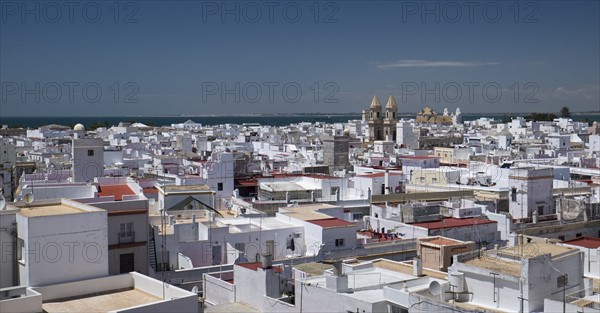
297	234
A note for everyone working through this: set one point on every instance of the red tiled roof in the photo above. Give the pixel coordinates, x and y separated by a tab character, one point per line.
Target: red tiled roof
251	266
586	242
453	222
118	191
256	265
331	222
150	190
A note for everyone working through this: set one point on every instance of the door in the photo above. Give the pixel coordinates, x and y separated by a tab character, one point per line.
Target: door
216	255
126	263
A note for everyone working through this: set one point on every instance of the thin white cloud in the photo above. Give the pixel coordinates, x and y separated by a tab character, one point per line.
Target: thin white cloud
425	63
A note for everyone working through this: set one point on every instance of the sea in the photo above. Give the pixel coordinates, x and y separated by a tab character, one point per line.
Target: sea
272	119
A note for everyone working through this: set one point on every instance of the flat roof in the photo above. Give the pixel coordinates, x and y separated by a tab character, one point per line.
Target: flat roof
405	268
454	222
501	266
534	249
586	242
331	222
313	268
231	307
118	191
308	212
107	302
49	210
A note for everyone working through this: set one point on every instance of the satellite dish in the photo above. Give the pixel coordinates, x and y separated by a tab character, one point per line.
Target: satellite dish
2	202
29	198
195	290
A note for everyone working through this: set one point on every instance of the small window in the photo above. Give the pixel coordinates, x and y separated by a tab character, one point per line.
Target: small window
219	186
90	152
513	194
333	190
20	250
578	235
561	238
339	242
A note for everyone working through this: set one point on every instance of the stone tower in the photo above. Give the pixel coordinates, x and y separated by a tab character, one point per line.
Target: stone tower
375	120
389	124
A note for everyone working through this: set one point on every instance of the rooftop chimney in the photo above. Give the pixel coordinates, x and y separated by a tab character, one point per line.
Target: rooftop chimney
266	260
417	267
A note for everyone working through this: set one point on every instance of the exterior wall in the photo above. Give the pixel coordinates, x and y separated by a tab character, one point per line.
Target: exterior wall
218	291
480	233
86	167
406	136
123	245
348	234
250	285
61	248
541	274
25	300
8	246
481	284
313	238
320	299
533	189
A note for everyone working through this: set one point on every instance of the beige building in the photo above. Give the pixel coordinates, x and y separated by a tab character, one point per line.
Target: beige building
437	252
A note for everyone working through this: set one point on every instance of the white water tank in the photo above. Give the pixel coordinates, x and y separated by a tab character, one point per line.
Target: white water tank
457	281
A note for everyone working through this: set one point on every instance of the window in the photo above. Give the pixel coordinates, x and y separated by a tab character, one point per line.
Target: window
240	246
339	242
513	194
357	216
20	250
334	190
578	235
90	152
126	233
561	238
219	186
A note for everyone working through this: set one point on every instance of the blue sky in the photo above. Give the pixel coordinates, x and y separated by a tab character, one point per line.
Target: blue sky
181	57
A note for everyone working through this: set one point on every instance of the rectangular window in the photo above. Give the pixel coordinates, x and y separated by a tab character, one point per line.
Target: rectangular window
579	235
219	186
339	242
357	216
90	152
240	246
21	250
126	232
333	190
561	238
513	194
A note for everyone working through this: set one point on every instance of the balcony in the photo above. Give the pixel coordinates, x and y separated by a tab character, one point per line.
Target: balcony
126	237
